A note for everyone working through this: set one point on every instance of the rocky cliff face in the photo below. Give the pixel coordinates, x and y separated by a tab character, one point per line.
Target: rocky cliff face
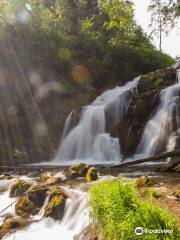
142	106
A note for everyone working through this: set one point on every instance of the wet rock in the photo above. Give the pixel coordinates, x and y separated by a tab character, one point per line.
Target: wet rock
37	194
25	207
78	170
56	204
19	187
143	181
6	176
91	174
142	106
177	194
50	179
158	192
11	224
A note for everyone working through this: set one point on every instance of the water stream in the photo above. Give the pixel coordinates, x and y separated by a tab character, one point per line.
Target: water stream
75	219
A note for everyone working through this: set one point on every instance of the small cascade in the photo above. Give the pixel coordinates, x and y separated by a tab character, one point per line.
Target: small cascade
75	219
89	141
162	131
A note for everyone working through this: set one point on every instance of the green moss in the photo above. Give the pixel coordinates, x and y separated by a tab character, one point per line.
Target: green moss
143	181
56	204
78	170
155	193
91	174
12	224
25	207
159	82
19	187
147	80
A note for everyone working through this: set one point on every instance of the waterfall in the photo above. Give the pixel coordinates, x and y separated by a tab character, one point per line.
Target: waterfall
162	131
89	140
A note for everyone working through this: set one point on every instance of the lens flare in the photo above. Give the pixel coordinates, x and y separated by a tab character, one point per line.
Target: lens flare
64	54
80	73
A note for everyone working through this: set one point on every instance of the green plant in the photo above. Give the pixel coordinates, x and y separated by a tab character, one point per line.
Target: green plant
116	206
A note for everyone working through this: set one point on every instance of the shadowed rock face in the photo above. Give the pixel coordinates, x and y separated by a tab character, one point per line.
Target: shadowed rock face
142	106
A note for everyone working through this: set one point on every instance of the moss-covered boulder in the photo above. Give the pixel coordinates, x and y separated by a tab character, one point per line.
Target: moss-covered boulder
37	194
78	170
6	176
56	204
177	193
143	181
19	187
25	207
91	174
12	224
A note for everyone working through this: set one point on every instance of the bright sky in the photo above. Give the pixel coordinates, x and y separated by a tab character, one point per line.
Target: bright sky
171	43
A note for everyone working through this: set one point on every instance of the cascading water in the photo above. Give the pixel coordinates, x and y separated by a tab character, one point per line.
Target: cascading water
75	219
163	129
88	141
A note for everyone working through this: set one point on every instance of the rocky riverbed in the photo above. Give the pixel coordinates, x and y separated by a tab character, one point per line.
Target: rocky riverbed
46	202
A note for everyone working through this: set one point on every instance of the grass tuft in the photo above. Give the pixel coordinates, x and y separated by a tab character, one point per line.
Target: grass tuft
117	208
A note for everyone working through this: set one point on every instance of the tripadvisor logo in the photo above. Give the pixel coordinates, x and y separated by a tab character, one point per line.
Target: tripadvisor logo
139	231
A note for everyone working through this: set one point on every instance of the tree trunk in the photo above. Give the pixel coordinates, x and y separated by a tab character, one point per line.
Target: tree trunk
150	159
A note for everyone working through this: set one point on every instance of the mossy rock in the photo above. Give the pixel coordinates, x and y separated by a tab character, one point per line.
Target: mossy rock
19	187
91	174
37	194
143	181
156	193
25	207
147	80
177	194
177	168
56	204
159	82
12	224
50	179
6	176
78	170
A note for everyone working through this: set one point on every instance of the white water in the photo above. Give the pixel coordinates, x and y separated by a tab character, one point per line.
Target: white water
75	219
163	129
88	140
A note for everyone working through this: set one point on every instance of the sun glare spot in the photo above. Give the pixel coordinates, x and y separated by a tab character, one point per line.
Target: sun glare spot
28	7
80	73
45	89
23	16
35	79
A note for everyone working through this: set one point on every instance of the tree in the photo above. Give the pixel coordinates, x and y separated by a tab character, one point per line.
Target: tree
161	23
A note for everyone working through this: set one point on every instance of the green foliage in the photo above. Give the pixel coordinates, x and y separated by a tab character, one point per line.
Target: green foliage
118	210
102	35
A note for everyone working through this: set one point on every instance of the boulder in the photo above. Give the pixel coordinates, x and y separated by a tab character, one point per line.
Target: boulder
37	194
11	224
177	194
78	170
51	178
91	174
56	204
143	181
19	187
25	207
